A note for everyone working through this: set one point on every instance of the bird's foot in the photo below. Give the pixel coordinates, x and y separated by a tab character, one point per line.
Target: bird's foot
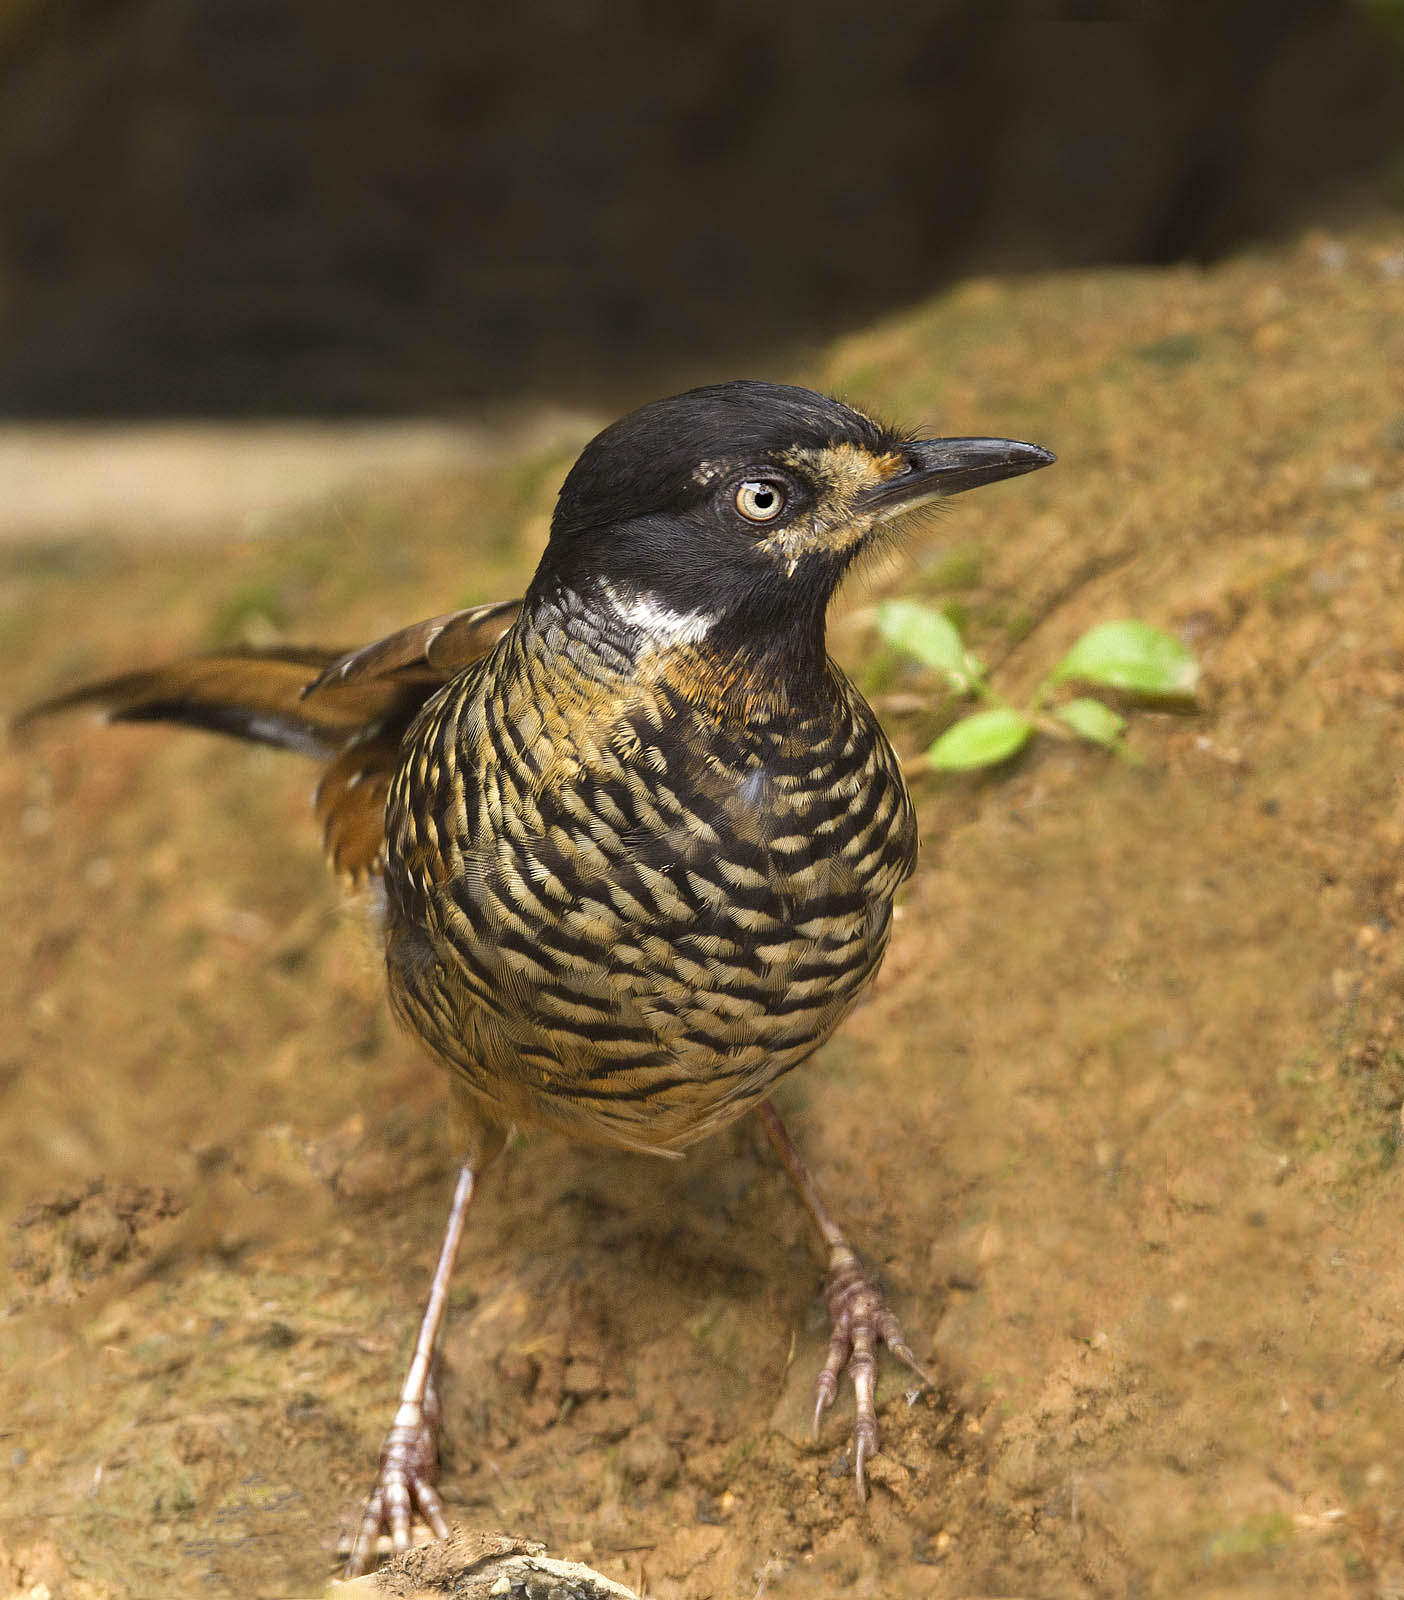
404	1486
860	1320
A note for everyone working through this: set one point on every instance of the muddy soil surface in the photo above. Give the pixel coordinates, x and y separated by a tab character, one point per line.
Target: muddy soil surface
1119	1124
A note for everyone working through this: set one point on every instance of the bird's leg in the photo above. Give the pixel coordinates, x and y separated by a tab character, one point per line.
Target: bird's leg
858	1314
409	1458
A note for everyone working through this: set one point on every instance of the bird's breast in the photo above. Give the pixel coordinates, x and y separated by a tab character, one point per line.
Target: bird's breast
623	910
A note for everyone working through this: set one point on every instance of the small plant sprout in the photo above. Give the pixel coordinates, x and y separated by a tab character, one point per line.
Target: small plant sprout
1131	658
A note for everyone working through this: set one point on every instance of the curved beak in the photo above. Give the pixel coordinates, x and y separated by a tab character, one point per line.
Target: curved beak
940	467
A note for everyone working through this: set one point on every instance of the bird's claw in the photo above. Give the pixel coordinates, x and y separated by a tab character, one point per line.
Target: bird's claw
409	1470
860	1320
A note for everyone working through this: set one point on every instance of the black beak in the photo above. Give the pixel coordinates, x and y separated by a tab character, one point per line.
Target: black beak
940	467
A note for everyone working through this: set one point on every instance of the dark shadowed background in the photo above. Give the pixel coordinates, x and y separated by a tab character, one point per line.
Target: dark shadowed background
259	206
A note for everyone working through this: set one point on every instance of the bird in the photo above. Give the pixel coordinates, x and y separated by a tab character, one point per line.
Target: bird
634	836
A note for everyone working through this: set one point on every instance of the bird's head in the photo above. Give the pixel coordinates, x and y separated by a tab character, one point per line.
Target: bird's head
730	513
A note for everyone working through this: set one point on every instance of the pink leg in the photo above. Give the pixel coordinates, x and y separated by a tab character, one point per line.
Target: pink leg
858	1314
409	1458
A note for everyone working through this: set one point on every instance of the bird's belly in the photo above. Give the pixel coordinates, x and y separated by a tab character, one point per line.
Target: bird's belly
642	1005
629	923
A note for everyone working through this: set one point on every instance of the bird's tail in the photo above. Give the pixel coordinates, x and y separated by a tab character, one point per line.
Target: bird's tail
250	694
349	710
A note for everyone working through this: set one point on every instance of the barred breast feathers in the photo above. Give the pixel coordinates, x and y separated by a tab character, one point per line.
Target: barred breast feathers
641	908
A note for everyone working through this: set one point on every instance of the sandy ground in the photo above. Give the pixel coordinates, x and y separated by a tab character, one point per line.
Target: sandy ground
1119	1125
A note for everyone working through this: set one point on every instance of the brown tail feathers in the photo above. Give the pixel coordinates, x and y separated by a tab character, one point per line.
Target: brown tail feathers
349	710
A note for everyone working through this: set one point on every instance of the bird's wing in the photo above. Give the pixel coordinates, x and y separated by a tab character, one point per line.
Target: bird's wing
349	709
410	664
429	652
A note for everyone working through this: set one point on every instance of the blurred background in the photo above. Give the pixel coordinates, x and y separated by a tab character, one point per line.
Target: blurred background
251	208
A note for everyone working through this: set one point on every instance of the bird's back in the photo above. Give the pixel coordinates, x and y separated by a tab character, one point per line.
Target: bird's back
623	905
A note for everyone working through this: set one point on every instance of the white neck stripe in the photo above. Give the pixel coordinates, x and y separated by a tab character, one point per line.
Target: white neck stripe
657	622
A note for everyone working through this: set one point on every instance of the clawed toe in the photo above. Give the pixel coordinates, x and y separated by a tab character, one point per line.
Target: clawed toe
858	1314
405	1485
860	1320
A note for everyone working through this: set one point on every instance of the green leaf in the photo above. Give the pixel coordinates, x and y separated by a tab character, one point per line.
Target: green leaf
923	632
1130	655
981	740
1090	719
930	636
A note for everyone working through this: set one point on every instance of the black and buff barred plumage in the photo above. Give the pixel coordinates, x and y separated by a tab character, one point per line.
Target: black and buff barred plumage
638	836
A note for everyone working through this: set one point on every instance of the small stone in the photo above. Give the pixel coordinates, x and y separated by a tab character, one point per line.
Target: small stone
1347	477
583	1378
1020	1470
646	1457
882	1469
100	874
1106	1155
36	822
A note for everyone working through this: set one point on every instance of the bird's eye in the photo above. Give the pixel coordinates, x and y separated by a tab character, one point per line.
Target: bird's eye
760	499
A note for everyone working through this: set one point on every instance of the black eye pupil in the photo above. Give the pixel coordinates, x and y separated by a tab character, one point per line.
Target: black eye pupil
765	498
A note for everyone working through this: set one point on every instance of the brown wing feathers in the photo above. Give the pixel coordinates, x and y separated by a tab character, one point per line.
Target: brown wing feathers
350	710
426	652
